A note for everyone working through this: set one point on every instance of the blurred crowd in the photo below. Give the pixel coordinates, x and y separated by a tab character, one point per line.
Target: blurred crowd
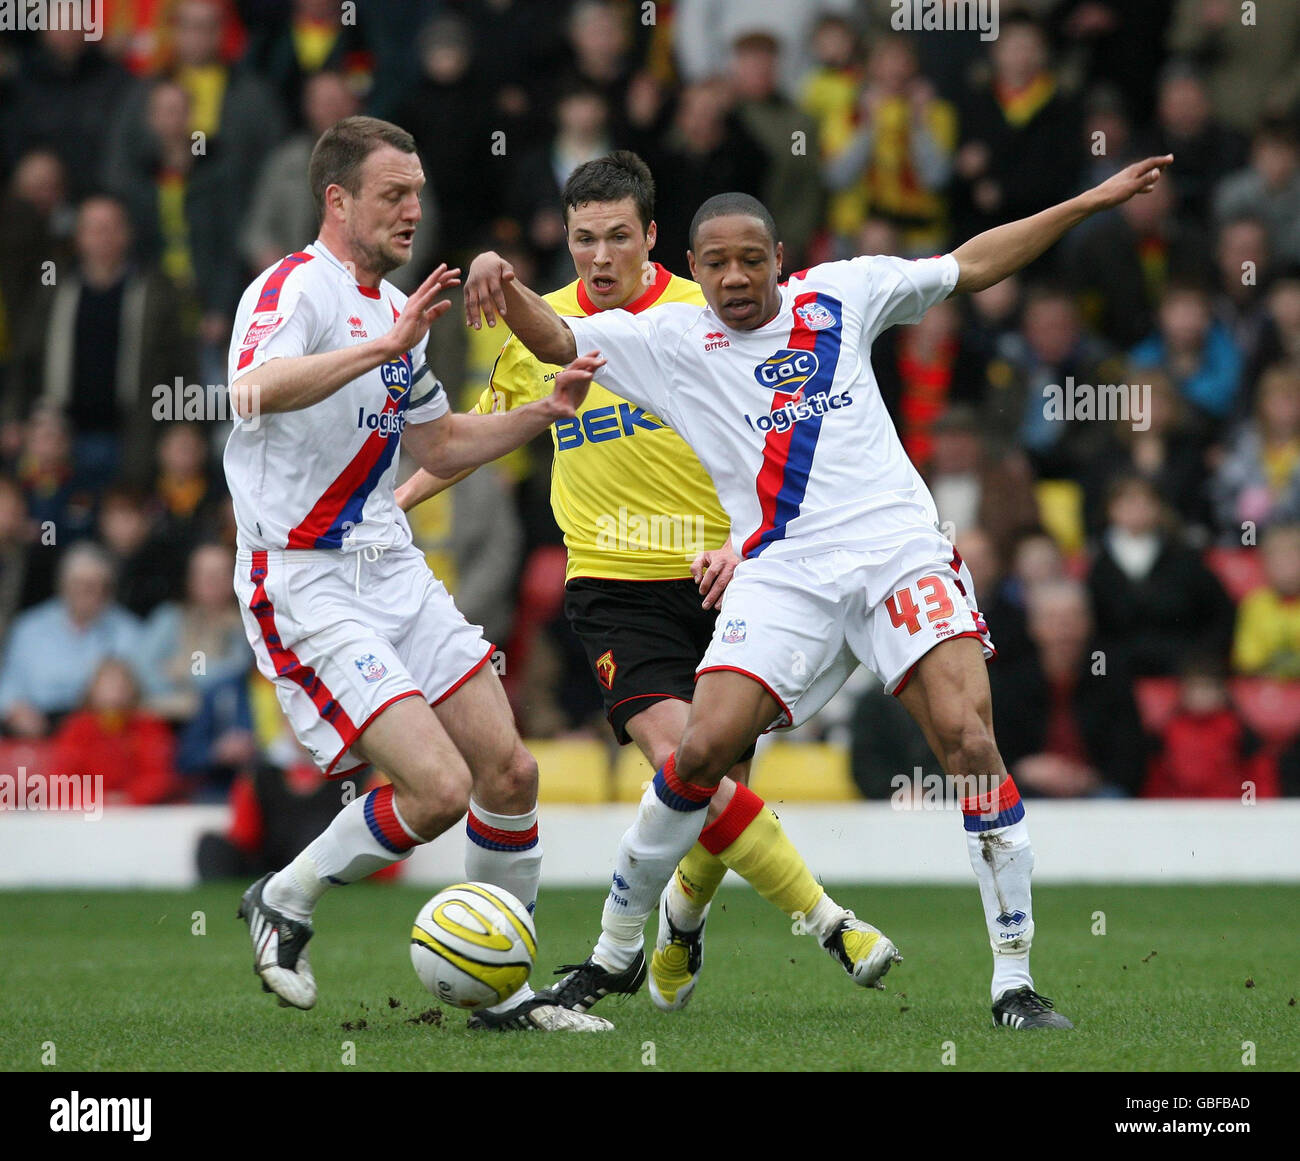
1140	572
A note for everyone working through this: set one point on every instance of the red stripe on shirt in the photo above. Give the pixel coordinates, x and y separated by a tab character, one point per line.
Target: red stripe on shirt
776	448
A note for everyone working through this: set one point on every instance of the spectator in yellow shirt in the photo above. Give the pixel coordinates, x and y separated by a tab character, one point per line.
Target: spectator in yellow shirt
1267	641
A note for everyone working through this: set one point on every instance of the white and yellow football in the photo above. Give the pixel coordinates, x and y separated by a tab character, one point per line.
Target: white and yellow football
473	945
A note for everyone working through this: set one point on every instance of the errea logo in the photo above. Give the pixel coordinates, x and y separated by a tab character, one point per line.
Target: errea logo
715	340
358	330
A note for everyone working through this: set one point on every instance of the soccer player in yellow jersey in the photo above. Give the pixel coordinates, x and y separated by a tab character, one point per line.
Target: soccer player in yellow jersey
648	559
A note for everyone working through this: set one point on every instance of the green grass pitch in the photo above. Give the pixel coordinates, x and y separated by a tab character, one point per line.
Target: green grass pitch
1180	979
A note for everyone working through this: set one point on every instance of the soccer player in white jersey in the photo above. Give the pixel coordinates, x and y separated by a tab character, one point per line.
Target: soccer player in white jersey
371	660
842	561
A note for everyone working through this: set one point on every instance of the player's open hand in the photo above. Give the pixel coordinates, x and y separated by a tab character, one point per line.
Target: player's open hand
422	308
1138	178
712	571
485	301
571	384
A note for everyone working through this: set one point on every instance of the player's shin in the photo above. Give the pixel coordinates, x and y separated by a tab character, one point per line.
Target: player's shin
748	838
693	886
667	824
506	851
367	835
997	839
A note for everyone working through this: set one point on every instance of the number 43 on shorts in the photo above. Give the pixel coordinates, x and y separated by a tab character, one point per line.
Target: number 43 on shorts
903	609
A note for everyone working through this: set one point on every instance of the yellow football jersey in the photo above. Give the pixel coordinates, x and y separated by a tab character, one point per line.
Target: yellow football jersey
630	497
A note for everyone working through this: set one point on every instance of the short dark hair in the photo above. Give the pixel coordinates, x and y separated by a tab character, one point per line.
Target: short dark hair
341	150
724	205
618	175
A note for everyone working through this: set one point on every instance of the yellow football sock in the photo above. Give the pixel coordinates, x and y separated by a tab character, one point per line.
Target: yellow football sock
697	879
749	839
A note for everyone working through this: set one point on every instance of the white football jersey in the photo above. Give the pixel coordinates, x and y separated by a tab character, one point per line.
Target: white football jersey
788	418
323	476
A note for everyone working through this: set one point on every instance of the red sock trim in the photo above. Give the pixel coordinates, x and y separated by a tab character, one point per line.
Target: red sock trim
731	823
688	790
994	802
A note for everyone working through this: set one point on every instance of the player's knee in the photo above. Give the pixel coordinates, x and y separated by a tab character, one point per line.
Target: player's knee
702	759
438	803
515	786
969	748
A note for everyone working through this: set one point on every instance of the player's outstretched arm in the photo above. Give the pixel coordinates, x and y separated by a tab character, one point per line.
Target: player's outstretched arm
492	291
993	255
459	442
290	384
422	485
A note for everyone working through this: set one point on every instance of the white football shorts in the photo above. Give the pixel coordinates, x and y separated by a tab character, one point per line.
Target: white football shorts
801	626
343	635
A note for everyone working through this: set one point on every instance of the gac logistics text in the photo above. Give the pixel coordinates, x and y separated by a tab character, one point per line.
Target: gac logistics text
1158	1103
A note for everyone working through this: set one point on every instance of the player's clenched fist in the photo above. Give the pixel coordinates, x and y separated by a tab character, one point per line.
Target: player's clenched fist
571	384
485	298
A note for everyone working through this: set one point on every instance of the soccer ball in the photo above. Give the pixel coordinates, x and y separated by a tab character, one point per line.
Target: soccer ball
473	945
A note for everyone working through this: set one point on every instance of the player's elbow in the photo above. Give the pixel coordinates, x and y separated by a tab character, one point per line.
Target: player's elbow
445	454
246	399
974	276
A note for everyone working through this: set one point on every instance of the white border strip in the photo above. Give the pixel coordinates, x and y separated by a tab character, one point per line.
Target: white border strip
1074	842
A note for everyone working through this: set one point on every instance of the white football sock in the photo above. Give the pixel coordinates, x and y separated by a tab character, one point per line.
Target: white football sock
366	835
997	839
506	851
667	825
824	917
